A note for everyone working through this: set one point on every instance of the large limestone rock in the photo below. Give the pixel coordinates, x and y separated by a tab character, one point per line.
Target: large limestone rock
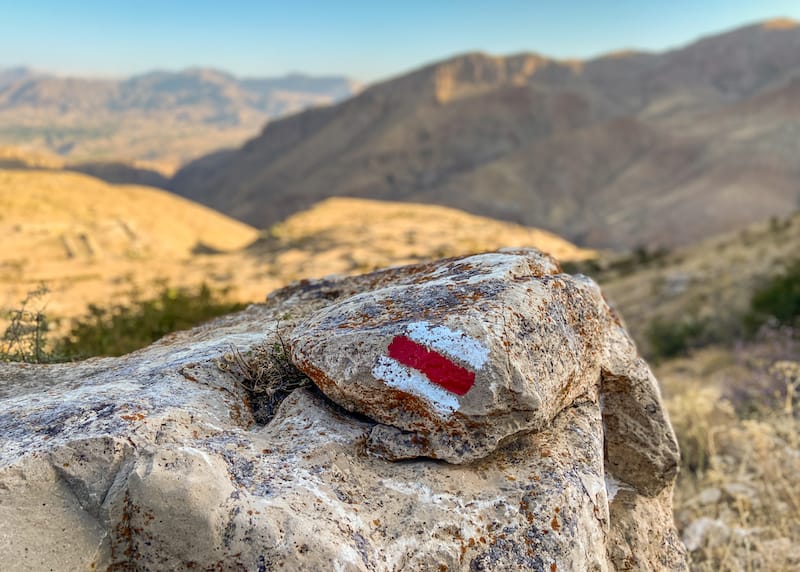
153	461
456	357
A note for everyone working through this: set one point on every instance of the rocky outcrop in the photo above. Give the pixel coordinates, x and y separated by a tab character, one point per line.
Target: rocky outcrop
559	455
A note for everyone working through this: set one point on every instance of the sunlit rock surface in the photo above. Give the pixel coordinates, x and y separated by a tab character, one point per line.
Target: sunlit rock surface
152	461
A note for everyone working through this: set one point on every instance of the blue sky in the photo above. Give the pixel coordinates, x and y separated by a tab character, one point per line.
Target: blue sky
367	40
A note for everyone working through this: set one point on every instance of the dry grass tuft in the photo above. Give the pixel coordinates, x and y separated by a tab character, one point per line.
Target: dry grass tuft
737	503
24	339
268	375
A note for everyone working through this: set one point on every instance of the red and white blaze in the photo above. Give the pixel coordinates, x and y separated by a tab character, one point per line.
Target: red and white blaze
434	363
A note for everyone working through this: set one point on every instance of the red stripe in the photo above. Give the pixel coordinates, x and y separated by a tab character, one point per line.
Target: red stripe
434	365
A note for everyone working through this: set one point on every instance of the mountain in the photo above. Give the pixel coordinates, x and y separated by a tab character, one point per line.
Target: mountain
614	152
162	117
12	75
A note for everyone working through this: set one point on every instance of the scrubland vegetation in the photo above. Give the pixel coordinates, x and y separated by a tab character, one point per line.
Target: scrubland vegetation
732	386
775	303
112	331
736	413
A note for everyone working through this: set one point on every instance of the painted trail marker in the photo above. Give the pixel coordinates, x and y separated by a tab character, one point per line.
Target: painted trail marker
426	362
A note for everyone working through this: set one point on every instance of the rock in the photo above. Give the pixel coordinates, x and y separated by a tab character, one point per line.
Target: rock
705	531
709	496
152	461
457	357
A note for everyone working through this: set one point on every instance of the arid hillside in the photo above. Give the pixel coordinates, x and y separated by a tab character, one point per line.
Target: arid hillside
706	286
164	118
343	235
614	152
91	242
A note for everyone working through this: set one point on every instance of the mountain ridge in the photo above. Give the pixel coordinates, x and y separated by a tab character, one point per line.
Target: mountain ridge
621	143
155	116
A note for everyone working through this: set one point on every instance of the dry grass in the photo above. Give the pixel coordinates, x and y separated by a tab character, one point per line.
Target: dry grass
709	282
736	414
28	158
24	339
267	374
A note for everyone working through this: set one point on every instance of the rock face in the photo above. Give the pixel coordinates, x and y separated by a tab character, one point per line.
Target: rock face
560	455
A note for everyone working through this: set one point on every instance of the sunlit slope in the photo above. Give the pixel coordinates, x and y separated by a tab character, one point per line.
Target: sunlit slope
91	242
95	243
59	215
345	235
12	157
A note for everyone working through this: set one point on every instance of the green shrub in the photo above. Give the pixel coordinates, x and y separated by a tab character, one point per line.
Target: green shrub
778	300
589	267
124	328
670	338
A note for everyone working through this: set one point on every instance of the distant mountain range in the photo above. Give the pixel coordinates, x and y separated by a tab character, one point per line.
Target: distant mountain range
623	150
163	117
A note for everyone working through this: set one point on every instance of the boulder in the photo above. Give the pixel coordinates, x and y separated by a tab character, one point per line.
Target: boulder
455	358
153	461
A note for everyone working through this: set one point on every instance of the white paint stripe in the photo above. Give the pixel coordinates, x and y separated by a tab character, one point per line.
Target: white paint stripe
457	345
613	486
415	383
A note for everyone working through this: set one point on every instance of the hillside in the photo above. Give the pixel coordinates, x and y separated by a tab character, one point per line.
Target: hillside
161	117
95	243
613	152
347	236
708	284
91	242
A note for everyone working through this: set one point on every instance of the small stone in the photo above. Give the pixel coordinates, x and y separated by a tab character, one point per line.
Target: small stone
711	495
705	532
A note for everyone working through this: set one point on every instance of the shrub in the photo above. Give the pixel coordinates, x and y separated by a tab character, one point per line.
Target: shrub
670	338
124	328
25	338
777	301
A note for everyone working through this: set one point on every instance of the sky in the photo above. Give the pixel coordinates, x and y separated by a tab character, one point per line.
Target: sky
365	40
